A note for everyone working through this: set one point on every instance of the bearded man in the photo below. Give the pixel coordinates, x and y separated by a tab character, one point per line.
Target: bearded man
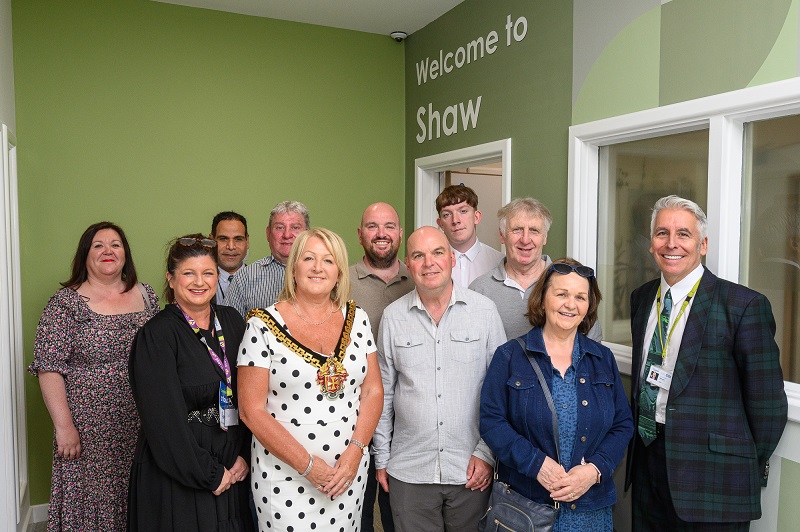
377	280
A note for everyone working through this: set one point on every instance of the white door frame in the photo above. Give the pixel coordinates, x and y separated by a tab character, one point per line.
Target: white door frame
427	171
14	496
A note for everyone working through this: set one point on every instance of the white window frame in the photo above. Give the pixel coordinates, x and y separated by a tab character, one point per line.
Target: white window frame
724	115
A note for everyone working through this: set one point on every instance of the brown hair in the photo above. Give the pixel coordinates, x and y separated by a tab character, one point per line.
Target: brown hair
178	253
455	194
79	271
536	314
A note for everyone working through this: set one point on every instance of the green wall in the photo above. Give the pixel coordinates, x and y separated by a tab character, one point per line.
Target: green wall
524	91
682	50
157	116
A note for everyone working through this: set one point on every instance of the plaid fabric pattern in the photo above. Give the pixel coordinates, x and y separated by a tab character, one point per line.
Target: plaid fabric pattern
727	406
649	393
256	285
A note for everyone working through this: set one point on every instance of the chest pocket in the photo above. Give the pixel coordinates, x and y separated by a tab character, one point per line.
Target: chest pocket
523	394
467	345
409	351
601	394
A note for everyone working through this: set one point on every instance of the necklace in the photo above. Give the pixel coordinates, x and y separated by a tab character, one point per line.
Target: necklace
330	313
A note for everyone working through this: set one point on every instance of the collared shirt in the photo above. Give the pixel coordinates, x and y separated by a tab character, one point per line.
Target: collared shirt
478	260
512	300
373	294
256	285
432	377
678	292
223	282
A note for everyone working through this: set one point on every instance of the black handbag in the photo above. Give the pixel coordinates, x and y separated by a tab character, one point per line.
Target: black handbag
510	511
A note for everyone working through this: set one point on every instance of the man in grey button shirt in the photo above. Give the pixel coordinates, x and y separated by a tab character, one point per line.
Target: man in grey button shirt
377	280
524	223
434	346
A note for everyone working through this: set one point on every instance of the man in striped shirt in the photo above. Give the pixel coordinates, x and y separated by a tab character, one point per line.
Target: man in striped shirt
258	284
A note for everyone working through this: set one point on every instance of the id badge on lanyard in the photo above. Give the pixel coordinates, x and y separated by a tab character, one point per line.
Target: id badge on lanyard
228	415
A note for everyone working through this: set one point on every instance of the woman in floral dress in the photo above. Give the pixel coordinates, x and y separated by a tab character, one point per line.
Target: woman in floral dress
81	358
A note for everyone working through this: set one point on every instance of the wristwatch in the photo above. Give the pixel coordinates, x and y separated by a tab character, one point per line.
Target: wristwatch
364	448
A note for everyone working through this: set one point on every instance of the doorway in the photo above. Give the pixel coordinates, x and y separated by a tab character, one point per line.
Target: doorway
486	181
485	168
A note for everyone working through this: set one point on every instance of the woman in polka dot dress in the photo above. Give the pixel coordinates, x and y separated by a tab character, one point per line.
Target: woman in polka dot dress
310	390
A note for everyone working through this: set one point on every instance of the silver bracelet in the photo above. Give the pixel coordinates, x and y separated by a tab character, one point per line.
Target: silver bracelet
310	465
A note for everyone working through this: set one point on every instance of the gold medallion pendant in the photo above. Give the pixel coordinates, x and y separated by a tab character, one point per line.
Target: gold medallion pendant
331	378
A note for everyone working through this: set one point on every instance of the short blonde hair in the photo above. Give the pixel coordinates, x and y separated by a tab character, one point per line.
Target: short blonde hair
341	291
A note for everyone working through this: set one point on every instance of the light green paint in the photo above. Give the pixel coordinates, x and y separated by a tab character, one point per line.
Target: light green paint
715	46
158	116
782	59
624	79
788	509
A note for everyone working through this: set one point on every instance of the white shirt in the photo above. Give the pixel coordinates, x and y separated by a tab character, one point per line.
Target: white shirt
678	292
478	259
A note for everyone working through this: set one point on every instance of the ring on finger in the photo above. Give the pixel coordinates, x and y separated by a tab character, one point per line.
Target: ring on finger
347	483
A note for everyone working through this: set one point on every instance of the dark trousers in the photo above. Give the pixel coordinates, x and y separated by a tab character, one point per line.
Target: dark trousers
436	507
367	516
653	509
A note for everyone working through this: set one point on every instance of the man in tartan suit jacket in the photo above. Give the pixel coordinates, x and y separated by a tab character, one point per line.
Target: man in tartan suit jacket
721	414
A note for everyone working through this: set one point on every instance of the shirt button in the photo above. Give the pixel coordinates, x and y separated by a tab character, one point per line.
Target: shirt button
583	438
441	423
439	395
585	402
439	368
517	383
408	343
582	380
572	506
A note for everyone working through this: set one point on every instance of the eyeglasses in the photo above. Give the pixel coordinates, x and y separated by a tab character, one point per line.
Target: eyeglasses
191	241
566	269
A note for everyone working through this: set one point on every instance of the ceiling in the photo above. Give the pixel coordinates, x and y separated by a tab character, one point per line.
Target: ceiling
371	16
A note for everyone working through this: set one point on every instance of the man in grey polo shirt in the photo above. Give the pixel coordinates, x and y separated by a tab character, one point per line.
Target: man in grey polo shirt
258	284
524	223
377	280
434	346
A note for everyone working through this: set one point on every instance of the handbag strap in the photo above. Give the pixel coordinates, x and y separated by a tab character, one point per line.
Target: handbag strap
545	390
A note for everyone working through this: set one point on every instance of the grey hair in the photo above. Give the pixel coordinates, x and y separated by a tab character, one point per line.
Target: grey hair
676	202
527	205
290	206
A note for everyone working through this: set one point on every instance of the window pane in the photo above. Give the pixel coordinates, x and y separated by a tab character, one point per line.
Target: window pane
771	227
636	175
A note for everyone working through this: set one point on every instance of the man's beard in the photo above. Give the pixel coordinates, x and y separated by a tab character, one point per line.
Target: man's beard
380	263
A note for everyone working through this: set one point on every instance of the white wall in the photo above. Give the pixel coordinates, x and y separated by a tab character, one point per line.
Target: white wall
7	115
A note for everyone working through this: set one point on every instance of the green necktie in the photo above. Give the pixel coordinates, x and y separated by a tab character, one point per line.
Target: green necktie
649	393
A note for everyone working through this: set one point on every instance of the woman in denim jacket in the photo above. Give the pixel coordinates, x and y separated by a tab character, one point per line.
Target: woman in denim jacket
594	419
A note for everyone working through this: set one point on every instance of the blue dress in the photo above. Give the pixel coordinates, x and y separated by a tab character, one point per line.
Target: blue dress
565	400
